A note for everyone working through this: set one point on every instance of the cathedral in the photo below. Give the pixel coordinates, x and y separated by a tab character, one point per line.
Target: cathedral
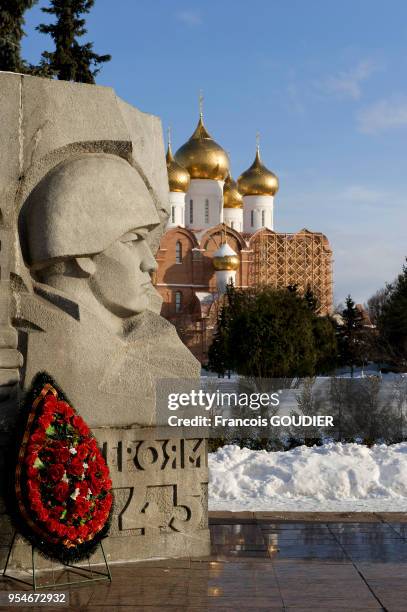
222	231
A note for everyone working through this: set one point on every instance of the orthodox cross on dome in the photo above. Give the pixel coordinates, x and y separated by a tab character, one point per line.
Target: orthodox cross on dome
201	99
169	135
223	235
258	142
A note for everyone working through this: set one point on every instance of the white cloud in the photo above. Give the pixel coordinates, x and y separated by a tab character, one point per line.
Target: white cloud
190	16
386	114
348	83
361	194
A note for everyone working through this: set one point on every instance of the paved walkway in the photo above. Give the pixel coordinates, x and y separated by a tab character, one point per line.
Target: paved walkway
270	561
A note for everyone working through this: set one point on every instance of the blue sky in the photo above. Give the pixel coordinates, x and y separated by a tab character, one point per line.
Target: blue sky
325	84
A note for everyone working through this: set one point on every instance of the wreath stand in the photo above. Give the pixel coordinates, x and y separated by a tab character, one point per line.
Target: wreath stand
92	575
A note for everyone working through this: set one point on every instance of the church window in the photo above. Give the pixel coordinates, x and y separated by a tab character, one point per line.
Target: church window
206	211
191	211
232	224
252	218
263	221
178	252
172	214
178	301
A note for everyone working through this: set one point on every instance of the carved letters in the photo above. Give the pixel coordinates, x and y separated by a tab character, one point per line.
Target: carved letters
159	484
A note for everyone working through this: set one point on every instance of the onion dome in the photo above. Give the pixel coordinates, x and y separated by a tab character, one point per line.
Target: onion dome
225	258
178	177
232	198
202	156
257	180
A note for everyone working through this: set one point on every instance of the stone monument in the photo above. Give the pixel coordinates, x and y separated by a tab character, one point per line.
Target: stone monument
83	202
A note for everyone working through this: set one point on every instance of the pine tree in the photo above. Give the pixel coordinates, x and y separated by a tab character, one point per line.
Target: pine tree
311	300
71	61
218	357
350	335
11	33
392	321
265	333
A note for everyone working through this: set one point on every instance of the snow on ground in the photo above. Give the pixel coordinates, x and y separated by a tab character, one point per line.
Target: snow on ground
335	477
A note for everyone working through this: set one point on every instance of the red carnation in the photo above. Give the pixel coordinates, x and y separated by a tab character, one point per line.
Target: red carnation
56	472
56	511
82	506
64	409
45	420
53	525
32	485
107	502
80	425
61	491
83	488
30	458
82	451
37	505
50	403
33	448
83	531
62	455
47	455
42	514
38	437
92	468
59	529
32	472
71	533
95	485
34	495
75	467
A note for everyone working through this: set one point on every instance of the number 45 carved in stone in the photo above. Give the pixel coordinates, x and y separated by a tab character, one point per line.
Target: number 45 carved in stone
163	506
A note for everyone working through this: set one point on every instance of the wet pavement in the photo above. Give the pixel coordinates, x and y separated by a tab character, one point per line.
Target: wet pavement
267	561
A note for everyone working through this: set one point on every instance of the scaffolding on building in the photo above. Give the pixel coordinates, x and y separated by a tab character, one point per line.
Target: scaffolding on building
303	260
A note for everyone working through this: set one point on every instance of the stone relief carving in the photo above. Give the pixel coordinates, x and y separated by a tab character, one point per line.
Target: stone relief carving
84	200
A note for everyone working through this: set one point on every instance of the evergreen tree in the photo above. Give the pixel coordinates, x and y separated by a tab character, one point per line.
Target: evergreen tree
311	300
376	302
350	335
11	33
71	61
218	351
265	334
326	345
392	321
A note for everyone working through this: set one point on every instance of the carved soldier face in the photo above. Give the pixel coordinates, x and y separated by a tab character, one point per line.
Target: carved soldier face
84	231
122	279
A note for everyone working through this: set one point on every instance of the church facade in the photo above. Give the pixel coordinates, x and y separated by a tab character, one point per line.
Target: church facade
222	231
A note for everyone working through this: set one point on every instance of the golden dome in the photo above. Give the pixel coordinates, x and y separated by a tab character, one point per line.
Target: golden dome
232	198
257	180
225	258
202	156
178	177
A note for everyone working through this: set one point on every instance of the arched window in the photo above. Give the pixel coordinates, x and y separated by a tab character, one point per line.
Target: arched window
206	211
172	214
191	211
178	252
263	218
178	301
231	224
252	218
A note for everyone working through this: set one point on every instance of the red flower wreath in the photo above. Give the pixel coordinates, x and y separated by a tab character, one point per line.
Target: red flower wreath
67	481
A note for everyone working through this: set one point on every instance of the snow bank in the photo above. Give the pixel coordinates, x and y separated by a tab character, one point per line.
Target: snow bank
333	477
